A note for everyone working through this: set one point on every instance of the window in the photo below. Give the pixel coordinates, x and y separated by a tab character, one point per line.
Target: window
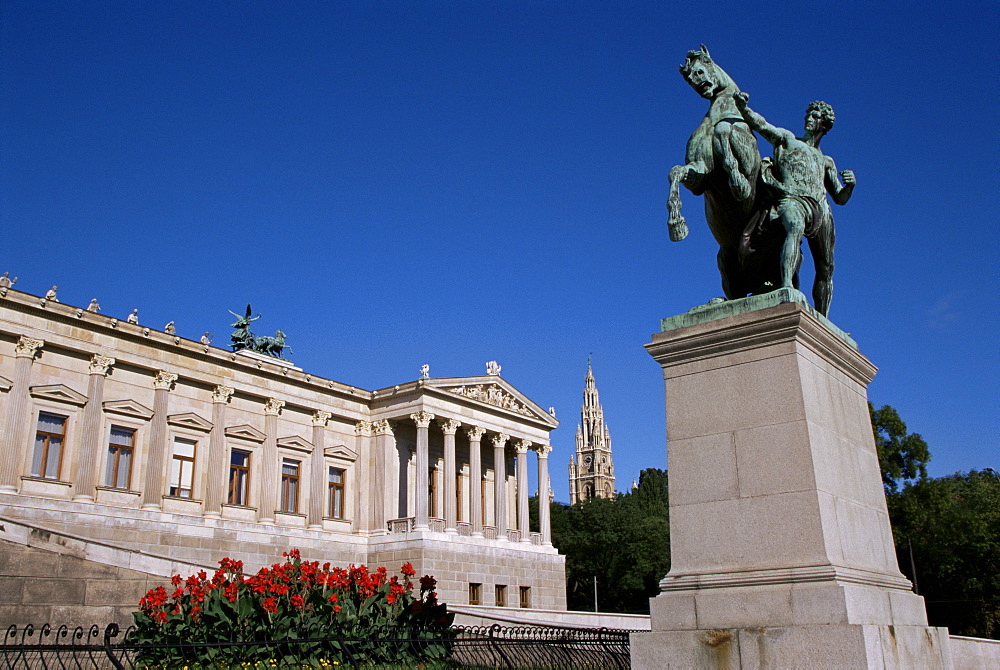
336	487
182	468
239	477
120	448
289	485
525	596
48	446
500	595
432	507
475	594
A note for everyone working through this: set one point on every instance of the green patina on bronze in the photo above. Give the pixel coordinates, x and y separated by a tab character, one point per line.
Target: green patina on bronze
243	337
714	311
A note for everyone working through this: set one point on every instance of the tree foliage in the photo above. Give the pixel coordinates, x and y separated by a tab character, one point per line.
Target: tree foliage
623	541
902	456
952	526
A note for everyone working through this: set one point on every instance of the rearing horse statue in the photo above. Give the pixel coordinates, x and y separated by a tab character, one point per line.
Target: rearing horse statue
723	164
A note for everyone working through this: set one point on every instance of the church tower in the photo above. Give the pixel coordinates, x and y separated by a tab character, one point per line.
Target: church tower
591	471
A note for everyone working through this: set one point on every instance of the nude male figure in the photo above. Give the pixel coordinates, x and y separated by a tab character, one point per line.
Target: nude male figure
801	176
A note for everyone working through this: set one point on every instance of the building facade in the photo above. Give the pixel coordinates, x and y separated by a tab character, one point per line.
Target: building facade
141	439
591	469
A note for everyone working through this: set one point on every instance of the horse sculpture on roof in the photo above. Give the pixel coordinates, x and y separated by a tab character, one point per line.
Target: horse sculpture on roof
723	164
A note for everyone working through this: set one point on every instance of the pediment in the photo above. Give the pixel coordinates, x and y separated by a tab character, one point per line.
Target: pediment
128	408
58	393
190	420
295	442
341	451
5	384
246	432
495	391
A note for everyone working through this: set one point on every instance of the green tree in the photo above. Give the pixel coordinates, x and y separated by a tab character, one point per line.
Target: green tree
623	541
952	527
902	456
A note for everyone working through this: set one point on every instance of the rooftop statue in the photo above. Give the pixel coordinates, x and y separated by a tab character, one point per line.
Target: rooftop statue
243	338
799	177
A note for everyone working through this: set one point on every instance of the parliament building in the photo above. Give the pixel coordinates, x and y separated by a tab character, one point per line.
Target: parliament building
133	447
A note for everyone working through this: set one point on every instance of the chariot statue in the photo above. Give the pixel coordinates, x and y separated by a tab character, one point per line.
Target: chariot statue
243	337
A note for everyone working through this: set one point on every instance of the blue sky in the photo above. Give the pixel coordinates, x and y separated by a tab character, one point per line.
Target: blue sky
448	183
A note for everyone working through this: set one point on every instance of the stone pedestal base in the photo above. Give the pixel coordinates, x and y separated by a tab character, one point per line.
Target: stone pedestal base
839	647
781	551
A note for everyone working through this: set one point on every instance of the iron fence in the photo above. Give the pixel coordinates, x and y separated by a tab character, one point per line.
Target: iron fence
455	647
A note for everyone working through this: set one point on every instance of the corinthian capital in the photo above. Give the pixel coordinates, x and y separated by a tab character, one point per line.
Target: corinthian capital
543	450
222	393
320	417
422	419
449	426
499	440
475	433
27	347
164	380
363	428
382	427
273	406
99	364
521	447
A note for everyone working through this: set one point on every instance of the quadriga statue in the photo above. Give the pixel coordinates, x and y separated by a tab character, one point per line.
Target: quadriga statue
723	164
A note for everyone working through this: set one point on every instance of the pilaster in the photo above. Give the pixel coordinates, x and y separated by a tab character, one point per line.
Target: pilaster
318	471
367	495
385	496
13	455
91	444
270	467
217	453
152	492
544	512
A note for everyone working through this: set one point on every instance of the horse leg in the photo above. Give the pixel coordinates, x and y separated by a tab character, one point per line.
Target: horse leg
730	271
675	223
738	184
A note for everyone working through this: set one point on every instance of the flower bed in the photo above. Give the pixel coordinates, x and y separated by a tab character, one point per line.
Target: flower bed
302	601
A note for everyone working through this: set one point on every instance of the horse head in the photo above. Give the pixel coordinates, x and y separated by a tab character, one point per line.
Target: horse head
705	77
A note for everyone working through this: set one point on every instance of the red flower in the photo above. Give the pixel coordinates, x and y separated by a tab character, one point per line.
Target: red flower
298	602
270	604
176	580
427	583
408	570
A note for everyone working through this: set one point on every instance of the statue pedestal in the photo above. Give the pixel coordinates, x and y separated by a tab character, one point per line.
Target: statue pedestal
781	552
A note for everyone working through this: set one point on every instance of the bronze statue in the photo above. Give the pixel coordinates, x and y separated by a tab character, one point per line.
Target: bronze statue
243	338
723	164
799	177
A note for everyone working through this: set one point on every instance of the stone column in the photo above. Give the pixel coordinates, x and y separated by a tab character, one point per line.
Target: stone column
270	478
317	471
544	518
385	497
89	459
521	449
217	470
449	427
363	479
500	484
159	446
475	434
15	439
423	421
